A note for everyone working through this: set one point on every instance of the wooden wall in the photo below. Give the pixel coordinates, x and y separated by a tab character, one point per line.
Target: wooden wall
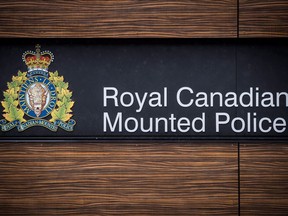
138	178
114	18
119	179
268	18
264	179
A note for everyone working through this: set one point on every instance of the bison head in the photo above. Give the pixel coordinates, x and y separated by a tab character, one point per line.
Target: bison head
37	98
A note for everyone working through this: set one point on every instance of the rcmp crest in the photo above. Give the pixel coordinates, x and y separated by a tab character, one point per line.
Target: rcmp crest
37	97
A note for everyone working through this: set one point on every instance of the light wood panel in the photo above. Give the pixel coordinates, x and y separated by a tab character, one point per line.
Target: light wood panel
118	179
118	18
264	179
267	18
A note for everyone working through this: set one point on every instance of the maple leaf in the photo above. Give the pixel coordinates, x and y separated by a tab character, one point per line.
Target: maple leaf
59	79
60	114
5	104
12	93
69	105
14	114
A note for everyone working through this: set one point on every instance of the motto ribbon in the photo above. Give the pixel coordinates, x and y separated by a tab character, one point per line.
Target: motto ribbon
68	126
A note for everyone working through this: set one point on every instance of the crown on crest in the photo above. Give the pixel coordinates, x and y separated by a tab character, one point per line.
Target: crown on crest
38	60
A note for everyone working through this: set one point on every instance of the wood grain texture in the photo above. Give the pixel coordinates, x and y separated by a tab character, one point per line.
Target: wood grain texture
118	179
267	18
264	179
118	18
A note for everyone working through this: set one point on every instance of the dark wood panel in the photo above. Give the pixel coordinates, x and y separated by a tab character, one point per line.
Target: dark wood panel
118	179
267	18
264	179
114	18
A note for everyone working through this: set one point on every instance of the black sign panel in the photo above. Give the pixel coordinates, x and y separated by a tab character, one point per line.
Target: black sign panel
143	89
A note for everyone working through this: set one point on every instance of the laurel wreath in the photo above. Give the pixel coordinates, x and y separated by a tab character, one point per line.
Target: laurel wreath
10	103
64	103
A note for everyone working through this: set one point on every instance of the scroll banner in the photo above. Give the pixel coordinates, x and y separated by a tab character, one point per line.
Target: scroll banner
37	122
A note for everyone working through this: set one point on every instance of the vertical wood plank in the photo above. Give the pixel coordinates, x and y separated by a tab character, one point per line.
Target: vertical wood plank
118	18
267	18
264	179
118	179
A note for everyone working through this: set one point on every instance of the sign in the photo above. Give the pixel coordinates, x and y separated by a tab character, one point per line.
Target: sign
144	89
